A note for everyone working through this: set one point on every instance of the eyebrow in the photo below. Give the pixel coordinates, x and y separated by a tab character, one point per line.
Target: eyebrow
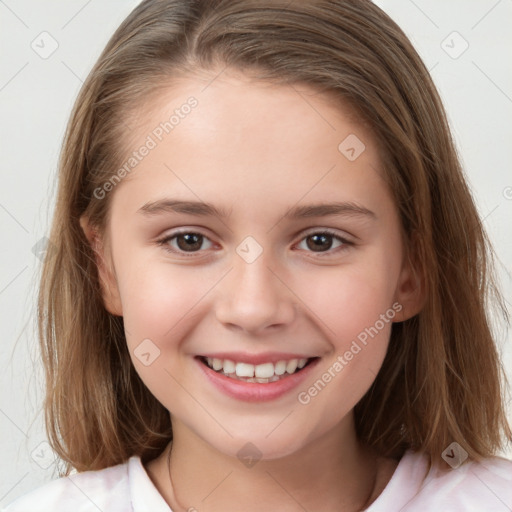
299	212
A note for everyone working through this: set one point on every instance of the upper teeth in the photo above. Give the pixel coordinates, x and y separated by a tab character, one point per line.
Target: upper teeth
264	371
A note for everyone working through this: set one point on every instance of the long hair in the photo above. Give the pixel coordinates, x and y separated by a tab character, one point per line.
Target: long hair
441	380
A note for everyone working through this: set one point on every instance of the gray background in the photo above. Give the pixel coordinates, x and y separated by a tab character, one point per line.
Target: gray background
37	91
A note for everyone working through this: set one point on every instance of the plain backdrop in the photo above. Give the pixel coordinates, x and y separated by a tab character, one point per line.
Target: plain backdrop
48	49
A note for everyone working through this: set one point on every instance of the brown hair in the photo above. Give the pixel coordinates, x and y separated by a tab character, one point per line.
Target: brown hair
441	380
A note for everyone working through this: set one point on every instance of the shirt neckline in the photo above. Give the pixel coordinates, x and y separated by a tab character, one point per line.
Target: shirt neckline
144	495
401	488
407	479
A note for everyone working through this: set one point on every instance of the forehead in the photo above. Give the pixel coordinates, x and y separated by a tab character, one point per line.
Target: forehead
245	138
245	109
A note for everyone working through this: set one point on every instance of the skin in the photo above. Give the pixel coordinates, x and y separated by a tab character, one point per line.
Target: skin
257	150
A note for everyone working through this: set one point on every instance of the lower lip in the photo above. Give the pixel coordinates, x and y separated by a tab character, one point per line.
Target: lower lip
253	391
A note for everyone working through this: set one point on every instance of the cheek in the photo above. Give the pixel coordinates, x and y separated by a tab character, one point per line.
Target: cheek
354	307
347	300
157	298
159	307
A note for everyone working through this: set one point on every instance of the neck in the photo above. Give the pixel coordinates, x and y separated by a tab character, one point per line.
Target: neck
332	473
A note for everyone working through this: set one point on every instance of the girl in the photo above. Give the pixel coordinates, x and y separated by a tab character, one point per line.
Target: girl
270	281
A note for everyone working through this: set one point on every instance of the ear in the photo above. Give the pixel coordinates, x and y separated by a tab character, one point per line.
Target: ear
108	282
410	292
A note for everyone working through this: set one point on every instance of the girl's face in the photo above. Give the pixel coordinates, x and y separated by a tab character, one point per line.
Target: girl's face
288	247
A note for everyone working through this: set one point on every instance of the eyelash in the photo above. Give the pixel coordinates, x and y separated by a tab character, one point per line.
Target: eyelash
164	242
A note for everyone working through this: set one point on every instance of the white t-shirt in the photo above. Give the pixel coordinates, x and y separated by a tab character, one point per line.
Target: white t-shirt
473	487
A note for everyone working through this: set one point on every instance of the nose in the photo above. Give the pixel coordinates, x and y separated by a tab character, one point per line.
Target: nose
253	298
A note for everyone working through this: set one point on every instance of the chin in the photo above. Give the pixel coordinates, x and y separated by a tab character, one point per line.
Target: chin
252	448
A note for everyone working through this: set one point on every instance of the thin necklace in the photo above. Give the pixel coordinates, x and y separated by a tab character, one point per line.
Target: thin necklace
182	508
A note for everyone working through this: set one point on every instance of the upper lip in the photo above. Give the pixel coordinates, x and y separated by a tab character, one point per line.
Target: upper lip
255	359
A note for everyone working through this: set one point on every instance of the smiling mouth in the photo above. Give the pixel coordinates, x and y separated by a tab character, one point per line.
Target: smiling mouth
261	373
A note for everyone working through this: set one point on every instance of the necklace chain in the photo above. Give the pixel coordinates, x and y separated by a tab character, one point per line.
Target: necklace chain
183	509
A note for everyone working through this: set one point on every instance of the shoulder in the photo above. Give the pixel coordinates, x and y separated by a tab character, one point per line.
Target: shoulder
471	487
105	489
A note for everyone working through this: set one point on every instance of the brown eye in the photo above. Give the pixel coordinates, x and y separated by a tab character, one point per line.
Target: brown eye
189	241
185	242
323	242
319	242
